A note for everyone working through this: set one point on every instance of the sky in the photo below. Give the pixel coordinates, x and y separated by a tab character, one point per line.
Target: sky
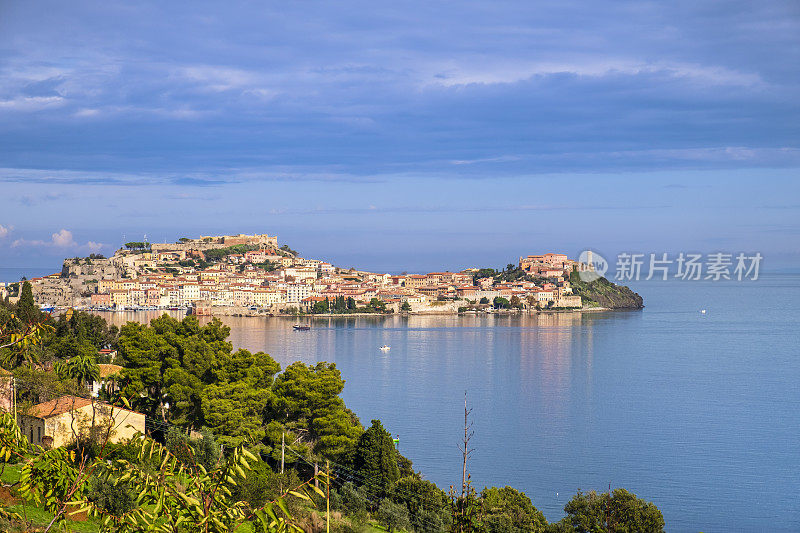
402	136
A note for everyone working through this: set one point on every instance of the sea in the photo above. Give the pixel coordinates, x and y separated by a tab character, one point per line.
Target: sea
697	412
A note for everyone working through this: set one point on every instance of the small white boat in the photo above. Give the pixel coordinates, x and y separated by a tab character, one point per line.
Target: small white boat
385	348
702	311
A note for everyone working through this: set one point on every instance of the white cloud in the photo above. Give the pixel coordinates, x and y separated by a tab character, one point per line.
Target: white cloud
62	239
216	78
87	112
498	159
4	231
31	103
449	75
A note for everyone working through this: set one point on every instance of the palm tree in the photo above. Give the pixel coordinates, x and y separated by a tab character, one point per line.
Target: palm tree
82	368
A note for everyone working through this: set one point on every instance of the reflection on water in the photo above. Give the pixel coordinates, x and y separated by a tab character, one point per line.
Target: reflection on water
698	413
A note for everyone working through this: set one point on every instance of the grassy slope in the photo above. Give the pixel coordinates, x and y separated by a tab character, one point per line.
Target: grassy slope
603	293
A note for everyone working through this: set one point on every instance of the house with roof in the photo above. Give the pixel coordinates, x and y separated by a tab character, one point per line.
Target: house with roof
108	374
58	422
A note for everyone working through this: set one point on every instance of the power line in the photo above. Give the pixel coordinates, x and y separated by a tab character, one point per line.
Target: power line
368	483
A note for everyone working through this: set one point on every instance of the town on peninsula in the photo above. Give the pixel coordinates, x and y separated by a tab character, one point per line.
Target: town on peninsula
252	275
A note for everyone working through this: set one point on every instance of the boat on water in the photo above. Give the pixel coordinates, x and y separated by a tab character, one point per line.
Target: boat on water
301	327
385	348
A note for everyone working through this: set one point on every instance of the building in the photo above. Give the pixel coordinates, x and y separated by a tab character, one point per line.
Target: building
568	301
297	292
58	422
108	375
6	390
102	299
548	260
415	281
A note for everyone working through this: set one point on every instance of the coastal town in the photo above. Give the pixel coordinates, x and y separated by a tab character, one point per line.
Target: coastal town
253	275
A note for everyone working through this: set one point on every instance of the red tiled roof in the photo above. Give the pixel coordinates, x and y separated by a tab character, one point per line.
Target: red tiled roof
108	370
58	406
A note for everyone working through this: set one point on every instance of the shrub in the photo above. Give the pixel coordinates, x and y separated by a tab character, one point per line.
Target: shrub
116	499
392	515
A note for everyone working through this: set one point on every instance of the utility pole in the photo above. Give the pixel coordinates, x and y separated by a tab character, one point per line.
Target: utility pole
328	496
14	398
283	450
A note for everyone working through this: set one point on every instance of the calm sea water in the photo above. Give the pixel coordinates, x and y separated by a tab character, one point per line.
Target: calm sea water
699	413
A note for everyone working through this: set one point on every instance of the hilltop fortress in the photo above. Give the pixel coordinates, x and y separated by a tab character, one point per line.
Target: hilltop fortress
208	243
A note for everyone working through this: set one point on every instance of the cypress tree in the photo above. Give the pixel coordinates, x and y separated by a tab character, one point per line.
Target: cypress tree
26	307
376	460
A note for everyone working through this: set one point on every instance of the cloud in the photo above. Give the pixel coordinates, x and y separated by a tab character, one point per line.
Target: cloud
493	73
498	159
62	239
4	231
287	94
31	103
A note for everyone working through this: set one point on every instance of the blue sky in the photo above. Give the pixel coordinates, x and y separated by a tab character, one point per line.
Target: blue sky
401	136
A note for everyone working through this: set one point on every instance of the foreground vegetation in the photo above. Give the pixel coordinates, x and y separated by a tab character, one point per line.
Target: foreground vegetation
233	443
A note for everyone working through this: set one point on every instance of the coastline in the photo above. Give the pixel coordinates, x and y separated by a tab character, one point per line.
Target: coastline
238	312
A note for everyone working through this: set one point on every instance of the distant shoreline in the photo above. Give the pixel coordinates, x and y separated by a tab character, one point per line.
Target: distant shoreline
362	315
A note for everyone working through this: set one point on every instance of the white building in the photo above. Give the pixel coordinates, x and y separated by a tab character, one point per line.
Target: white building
297	292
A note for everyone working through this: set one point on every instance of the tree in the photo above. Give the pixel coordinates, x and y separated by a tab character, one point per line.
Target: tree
376	460
617	512
484	300
82	369
193	368
204	450
516	303
392	515
305	399
86	326
405	307
234	404
264	485
18	338
144	354
426	503
27	311
286	248
320	307
377	305
501	303
506	510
